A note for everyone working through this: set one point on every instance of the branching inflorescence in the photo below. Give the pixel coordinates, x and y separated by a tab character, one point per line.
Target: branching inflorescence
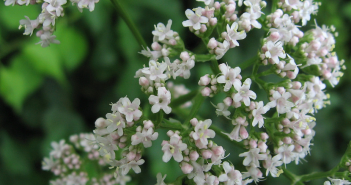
274	133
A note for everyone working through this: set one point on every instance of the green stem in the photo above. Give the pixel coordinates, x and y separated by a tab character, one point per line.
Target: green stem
121	11
292	177
248	63
198	100
214	67
219	132
204	57
265	73
318	175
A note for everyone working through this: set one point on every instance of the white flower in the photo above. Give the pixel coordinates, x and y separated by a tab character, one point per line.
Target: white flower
107	147
161	101
274	51
153	55
286	153
195	19
130	110
233	35
54	7
173	148
231	176
160	179
29	25
207	2
222	110
117	123
222	49
229	76
162	32
252	156
86	4
48	163
257	114
47	38
202	132
244	93
58	149
184	68
337	182
271	165
132	164
281	102
145	137
155	70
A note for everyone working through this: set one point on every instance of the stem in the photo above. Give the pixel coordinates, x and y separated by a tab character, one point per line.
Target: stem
204	57
214	67
219	132
292	177
198	100
121	11
248	63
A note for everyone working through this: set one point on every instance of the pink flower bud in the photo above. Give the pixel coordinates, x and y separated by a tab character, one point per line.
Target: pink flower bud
298	148
234	17
262	146
172	42
217	5
170	133
184	56
100	123
264	136
203	28
213	21
143	81
243	132
206	91
204	80
186	168
156	46
237	104
281	90
206	154
253	143
194	155
252	105
274	36
307	131
194	122
286	130
214	88
212	44
121	145
287	140
228	101
218	150
148	124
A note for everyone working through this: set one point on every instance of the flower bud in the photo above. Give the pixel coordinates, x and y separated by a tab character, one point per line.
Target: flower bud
194	155
204	80
186	168
206	91
143	81
184	56
156	46
212	44
206	154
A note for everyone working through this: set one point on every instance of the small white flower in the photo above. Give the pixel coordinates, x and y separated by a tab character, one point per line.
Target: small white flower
161	101
257	114
252	156
173	148
233	35
160	179
145	137
195	19
202	132
47	38
244	93
132	164
274	51
162	32
130	110
229	76
29	25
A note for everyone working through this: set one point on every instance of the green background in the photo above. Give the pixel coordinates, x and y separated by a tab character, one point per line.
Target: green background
47	94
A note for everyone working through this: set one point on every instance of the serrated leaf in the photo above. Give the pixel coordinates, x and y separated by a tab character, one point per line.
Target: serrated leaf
18	81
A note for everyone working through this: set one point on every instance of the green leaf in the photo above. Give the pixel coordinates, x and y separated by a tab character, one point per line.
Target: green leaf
72	47
45	60
18	81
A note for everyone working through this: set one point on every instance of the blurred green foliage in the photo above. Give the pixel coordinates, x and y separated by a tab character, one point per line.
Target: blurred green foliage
50	93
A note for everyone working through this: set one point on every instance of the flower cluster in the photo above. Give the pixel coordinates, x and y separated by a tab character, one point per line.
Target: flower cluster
46	21
274	132
66	162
